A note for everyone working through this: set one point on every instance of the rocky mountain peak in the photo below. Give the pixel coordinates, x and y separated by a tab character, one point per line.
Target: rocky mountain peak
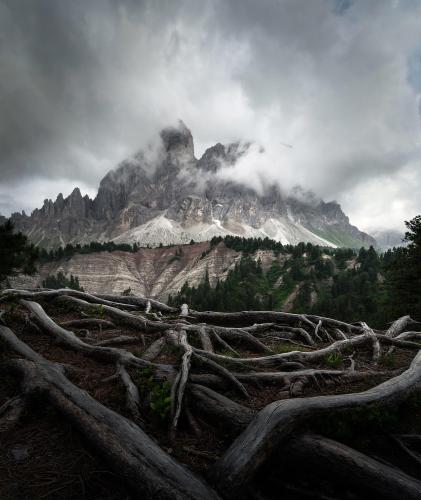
178	140
75	194
222	155
171	197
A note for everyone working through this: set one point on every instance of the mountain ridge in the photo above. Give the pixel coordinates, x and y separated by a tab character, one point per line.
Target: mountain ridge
168	196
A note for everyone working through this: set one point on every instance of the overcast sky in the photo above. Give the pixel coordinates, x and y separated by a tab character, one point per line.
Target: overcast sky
85	83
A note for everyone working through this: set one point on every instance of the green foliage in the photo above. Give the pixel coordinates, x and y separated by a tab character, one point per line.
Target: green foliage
100	311
160	402
388	361
176	256
159	393
302	301
245	288
16	254
364	418
307	267
61	281
403	274
334	360
336	282
249	245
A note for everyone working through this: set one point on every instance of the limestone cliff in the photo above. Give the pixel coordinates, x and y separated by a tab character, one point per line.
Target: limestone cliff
171	197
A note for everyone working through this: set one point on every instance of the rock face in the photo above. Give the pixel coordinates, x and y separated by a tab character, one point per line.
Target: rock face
151	272
168	196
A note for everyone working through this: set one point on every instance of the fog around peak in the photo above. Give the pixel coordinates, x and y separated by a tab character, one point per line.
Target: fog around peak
329	89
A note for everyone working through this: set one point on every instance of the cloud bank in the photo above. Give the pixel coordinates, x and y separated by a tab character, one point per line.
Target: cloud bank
330	88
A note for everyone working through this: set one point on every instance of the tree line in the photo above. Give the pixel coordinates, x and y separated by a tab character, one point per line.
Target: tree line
340	283
336	282
68	251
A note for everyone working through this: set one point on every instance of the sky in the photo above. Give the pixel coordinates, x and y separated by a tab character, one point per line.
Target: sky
330	89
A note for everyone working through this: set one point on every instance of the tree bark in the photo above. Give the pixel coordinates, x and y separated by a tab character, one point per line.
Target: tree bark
130	452
280	419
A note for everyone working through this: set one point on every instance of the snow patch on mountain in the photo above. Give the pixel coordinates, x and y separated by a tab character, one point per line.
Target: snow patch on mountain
166	231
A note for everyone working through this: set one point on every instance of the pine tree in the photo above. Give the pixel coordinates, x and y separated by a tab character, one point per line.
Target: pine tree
404	274
16	254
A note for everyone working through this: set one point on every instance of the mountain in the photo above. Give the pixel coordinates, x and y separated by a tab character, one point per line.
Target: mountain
168	196
232	274
389	238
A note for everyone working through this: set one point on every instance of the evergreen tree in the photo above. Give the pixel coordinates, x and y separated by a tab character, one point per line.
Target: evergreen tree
16	254
61	281
404	274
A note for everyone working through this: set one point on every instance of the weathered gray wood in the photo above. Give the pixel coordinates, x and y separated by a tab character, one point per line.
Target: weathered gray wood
340	334
132	392
182	378
224	344
238	334
154	349
352	468
278	420
205	339
120	340
269	317
328	457
277	360
70	340
404	344
408	335
399	326
51	294
87	322
219	410
140	302
129	451
300	332
221	371
316	330
375	341
124	317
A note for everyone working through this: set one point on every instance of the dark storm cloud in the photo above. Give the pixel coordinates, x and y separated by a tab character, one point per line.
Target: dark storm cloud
84	84
52	108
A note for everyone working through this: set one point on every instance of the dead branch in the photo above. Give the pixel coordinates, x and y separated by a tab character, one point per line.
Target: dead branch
399	326
71	341
279	419
87	323
51	294
353	469
180	381
154	349
132	392
129	451
120	340
205	339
